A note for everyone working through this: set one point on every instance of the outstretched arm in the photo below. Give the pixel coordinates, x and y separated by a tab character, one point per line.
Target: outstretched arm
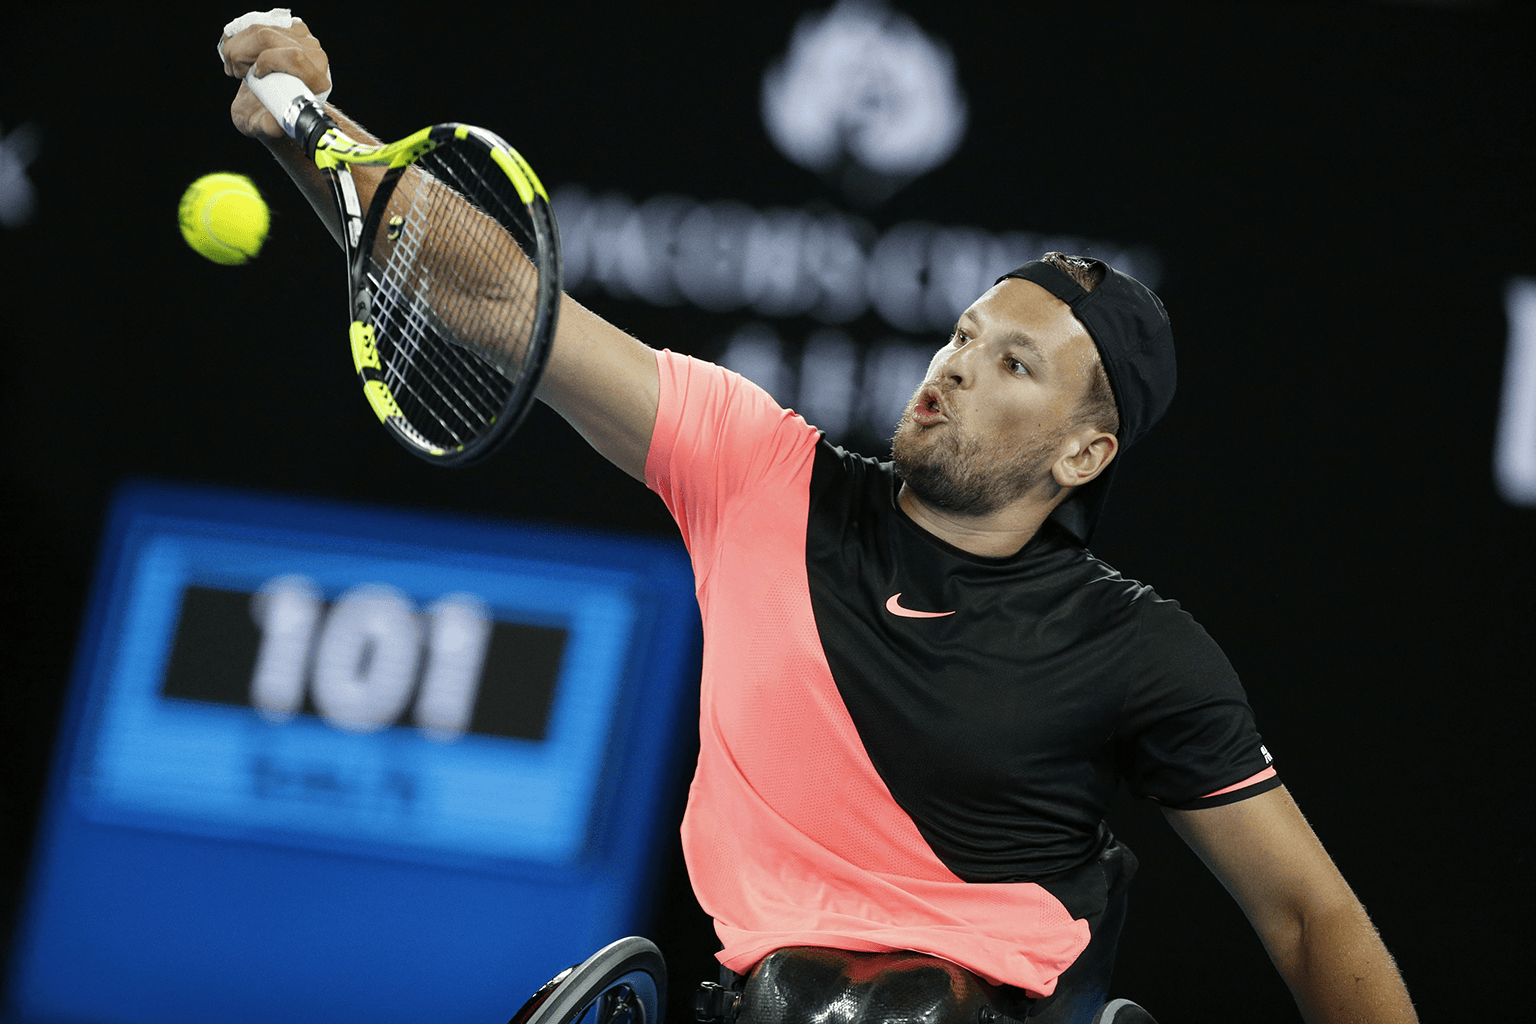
1311	923
601	380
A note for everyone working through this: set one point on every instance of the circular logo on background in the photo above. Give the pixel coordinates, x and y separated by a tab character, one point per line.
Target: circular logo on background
865	96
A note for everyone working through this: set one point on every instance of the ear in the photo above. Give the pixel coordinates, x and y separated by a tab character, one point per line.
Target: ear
1086	456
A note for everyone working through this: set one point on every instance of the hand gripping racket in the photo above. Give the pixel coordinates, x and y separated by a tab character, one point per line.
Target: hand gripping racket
453	272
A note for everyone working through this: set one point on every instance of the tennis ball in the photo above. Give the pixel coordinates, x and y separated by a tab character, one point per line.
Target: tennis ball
224	218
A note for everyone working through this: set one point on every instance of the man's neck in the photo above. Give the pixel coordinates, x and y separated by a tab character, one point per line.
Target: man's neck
997	535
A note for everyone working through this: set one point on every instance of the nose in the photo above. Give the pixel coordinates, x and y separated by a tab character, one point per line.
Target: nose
954	366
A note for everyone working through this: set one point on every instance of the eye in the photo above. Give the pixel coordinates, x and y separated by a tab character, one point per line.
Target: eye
958	338
1016	367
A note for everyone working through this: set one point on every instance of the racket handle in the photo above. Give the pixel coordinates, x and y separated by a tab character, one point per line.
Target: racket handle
294	106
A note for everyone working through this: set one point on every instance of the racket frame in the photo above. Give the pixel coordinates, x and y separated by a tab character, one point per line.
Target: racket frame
335	154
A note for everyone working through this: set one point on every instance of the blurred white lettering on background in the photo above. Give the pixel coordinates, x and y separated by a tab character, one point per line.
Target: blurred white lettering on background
1515	451
833	267
17	198
867	99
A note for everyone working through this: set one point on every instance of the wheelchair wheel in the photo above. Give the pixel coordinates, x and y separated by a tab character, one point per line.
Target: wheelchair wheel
1122	1011
625	982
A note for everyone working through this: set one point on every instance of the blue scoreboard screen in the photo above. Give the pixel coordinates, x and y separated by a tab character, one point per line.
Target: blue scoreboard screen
332	763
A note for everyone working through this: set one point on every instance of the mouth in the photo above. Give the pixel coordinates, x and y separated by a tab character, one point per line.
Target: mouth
928	407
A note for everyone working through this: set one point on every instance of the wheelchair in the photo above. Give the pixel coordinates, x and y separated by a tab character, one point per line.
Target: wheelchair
625	982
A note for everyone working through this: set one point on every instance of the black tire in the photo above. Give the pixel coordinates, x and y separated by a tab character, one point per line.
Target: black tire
625	982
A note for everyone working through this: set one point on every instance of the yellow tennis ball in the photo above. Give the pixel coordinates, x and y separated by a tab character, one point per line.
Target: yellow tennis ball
224	218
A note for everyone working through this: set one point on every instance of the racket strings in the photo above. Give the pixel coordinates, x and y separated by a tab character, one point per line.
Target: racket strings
455	294
422	355
434	378
429	377
494	263
424	347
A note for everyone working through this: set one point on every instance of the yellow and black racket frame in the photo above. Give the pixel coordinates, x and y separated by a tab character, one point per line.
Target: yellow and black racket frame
334	154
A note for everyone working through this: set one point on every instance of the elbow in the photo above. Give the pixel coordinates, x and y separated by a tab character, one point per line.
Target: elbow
1308	935
1297	929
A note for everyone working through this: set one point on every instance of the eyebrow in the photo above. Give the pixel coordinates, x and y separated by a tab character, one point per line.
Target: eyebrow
1014	339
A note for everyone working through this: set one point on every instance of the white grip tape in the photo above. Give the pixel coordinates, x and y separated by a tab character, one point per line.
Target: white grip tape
280	92
277	17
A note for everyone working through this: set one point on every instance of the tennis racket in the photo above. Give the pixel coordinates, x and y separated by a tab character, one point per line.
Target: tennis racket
453	274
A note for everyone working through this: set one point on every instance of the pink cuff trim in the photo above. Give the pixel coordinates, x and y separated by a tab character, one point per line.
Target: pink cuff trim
1267	773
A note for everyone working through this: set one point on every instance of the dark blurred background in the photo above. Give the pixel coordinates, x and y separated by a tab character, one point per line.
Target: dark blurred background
1334	199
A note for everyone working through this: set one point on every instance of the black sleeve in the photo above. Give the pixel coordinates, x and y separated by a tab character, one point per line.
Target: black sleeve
1186	736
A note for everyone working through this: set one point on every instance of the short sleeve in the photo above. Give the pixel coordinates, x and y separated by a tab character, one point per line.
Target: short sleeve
1186	736
719	440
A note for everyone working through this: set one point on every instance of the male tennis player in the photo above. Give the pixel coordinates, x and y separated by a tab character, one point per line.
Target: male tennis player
920	691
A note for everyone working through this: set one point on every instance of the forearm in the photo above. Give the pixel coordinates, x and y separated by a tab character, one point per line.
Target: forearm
1310	921
1339	970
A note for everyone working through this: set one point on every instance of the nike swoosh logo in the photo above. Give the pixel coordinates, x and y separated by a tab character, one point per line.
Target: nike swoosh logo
894	607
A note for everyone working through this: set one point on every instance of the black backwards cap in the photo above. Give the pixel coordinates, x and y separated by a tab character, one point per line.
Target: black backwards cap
1130	328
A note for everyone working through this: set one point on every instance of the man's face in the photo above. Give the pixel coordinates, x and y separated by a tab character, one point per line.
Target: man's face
999	404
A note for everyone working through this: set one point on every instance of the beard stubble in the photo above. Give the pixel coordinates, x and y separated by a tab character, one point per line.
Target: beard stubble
965	474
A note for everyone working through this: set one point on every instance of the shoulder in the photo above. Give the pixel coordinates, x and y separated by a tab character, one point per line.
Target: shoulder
1094	592
1158	620
839	470
1134	634
1168	632
1170	662
707	411
689	381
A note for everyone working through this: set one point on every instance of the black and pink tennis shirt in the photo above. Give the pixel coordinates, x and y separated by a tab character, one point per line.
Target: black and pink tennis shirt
903	745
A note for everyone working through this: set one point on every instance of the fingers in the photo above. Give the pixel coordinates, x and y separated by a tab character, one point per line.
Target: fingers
266	48
291	59
269	48
304	56
242	48
251	118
